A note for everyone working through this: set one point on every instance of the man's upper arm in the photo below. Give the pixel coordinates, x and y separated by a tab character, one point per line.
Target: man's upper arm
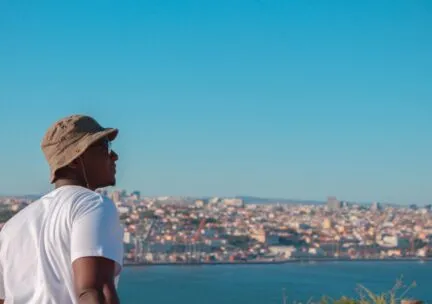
96	232
2	289
94	280
96	247
2	281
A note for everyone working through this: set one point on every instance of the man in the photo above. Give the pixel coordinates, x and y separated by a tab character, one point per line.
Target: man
67	247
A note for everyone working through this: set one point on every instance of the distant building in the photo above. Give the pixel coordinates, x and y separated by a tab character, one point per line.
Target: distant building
123	209
283	251
302	226
265	238
18	206
345	204
333	203
271	239
215	242
317	252
127	238
115	196
327	223
376	206
199	203
259	235
234	202
214	200
394	241
136	195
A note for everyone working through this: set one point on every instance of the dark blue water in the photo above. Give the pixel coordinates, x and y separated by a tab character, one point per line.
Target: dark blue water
263	284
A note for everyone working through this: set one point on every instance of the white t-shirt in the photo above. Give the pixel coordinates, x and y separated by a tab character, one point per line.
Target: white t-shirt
39	244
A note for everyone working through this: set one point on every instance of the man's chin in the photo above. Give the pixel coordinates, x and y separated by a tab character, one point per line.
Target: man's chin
108	184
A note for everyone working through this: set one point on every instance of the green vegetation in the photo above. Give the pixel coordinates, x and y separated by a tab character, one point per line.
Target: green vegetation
238	241
212	221
196	222
398	293
123	216
5	215
147	214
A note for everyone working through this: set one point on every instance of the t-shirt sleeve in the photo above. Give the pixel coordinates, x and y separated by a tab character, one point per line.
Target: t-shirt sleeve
2	289
2	280
96	231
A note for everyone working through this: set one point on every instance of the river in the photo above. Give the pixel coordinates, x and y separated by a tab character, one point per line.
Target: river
263	284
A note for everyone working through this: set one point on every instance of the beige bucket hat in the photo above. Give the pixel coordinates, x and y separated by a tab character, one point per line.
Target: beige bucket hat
69	137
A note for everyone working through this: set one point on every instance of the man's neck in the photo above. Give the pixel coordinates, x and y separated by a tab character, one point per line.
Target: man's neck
70	182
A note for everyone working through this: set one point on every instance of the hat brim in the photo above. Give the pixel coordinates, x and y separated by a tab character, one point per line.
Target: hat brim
111	133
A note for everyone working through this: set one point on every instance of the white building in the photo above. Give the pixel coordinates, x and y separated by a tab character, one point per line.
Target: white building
234	202
285	251
127	238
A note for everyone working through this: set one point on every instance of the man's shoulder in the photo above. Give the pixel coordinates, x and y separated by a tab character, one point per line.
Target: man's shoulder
82	200
28	213
74	192
74	196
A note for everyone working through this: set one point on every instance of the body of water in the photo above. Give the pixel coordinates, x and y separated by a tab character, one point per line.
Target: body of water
263	284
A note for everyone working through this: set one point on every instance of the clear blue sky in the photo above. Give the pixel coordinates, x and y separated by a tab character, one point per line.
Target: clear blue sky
296	99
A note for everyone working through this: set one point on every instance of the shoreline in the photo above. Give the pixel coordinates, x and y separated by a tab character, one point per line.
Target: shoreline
287	261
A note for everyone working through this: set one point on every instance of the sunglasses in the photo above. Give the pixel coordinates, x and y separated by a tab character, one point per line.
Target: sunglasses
104	143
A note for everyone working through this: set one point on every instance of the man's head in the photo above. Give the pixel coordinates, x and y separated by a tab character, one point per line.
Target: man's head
77	147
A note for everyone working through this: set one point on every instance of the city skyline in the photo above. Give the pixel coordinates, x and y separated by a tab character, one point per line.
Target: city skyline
261	98
227	230
247	199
